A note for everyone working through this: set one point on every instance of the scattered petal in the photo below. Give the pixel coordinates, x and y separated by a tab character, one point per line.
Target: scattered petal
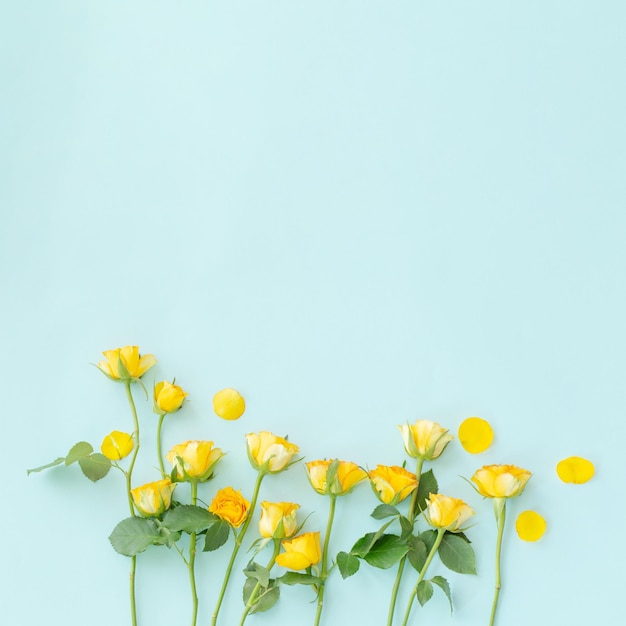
475	434
575	470
228	404
530	526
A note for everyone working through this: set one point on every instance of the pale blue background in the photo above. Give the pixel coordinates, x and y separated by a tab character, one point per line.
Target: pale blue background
358	213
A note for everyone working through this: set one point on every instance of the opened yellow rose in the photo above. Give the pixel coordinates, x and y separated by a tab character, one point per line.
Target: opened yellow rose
301	551
278	519
392	483
425	439
346	476
447	513
501	481
153	499
168	397
194	460
230	506
117	445
269	453
125	364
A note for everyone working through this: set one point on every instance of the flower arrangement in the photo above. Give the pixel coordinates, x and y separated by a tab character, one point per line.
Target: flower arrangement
419	524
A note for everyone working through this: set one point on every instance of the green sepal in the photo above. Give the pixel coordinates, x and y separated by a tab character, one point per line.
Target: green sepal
331	475
298	578
424	592
95	466
384	510
168	537
348	564
418	553
78	451
257	572
442	583
188	518
216	536
457	554
134	535
427	485
43	467
387	551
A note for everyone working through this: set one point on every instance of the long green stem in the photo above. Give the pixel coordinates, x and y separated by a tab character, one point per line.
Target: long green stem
158	442
324	573
192	559
238	540
440	534
412	515
500	510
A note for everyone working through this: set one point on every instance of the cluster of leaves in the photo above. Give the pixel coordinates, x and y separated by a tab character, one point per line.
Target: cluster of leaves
93	464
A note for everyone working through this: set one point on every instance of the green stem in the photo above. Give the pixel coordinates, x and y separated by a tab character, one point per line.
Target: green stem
440	534
501	518
192	559
324	573
252	600
158	440
412	515
238	540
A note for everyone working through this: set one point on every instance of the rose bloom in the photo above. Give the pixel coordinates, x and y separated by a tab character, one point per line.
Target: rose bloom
123	364
168	398
391	483
301	551
153	499
278	519
194	460
269	453
230	506
348	476
117	445
447	513
425	439
501	481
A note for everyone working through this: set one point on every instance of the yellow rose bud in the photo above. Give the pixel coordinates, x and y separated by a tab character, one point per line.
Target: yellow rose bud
194	460
153	499
124	364
425	439
391	483
230	506
301	551
347	476
501	481
269	453
168	398
228	404
278	519
447	513
117	445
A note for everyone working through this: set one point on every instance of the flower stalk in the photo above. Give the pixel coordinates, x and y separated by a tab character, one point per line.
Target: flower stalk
324	571
499	507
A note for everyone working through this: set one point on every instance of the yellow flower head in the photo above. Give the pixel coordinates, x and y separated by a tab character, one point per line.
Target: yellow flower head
334	477
117	445
575	470
269	453
501	481
447	513
194	460
168	398
278	519
301	551
125	364
425	439
230	506
153	499
391	483
228	404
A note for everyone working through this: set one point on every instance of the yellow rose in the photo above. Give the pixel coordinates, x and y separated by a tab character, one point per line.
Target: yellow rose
347	476
194	460
425	439
269	453
501	481
278	519
447	513
301	551
124	364
228	404
391	483
230	506
154	498
168	398
117	445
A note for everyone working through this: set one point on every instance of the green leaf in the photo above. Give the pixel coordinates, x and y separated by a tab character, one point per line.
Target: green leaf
133	535
166	536
78	451
297	578
216	536
429	537
348	564
405	526
188	518
442	583
427	485
457	554
363	545
266	600
384	510
424	592
418	553
257	572
387	551
95	466
43	467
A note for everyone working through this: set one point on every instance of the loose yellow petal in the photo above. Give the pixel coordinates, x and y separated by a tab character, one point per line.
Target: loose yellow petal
475	434
575	470
530	526
228	404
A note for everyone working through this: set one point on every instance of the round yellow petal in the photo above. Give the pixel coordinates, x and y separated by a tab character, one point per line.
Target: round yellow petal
475	434
530	526
229	404
575	470
117	445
